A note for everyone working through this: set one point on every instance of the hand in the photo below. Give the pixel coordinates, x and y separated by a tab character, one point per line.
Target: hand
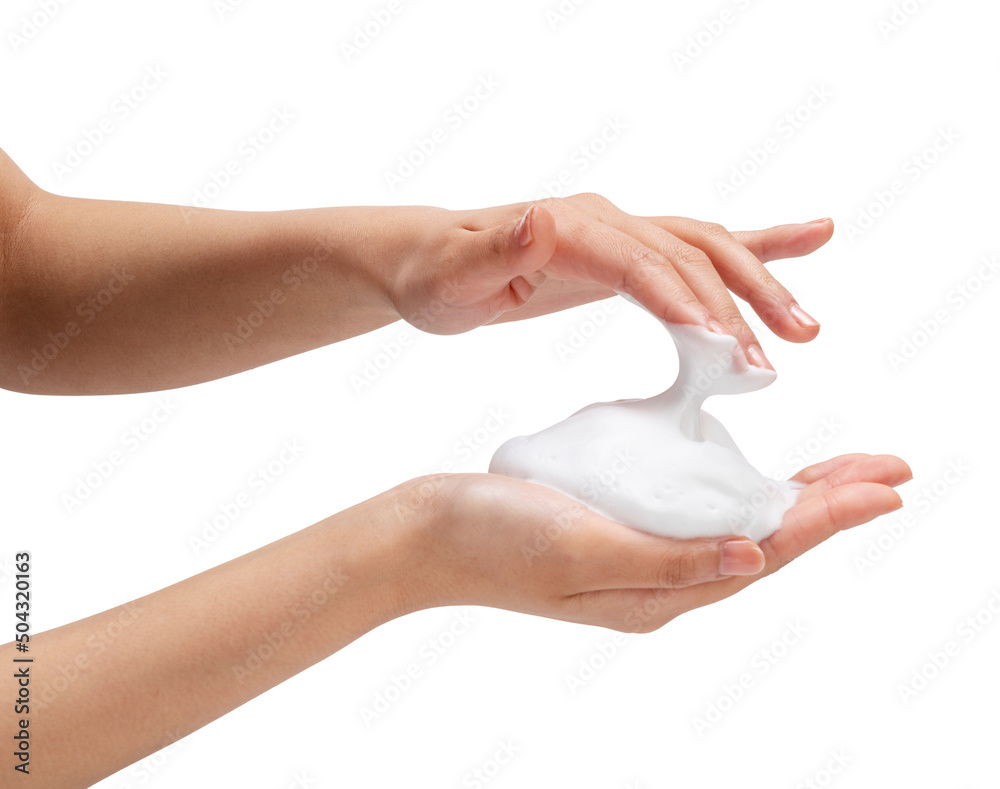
469	268
510	544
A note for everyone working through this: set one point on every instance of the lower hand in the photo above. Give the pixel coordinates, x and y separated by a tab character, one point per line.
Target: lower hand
505	543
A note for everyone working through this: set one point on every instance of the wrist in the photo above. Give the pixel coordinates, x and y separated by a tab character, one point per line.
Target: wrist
413	526
414	259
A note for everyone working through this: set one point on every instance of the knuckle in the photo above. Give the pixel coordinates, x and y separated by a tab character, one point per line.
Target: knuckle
642	257
555	204
592	198
498	242
690	257
731	316
643	265
762	280
769	312
676	570
714	231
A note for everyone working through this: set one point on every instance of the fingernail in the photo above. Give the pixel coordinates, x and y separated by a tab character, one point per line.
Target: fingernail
718	328
757	358
818	221
803	318
740	557
523	230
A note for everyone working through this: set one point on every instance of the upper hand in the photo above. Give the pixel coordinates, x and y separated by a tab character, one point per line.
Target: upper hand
469	268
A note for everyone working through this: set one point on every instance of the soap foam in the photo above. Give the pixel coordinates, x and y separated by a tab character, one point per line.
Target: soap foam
662	465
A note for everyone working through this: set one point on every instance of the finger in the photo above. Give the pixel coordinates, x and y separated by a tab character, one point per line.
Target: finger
745	275
884	469
583	249
604	254
504	258
819	470
810	522
619	558
786	241
699	272
805	526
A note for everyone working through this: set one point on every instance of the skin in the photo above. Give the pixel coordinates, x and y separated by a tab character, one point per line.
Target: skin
187	277
442	540
184	656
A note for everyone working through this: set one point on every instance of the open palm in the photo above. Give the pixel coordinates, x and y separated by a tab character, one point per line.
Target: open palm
516	545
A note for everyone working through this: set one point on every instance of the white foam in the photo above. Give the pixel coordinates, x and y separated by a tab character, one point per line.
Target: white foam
662	465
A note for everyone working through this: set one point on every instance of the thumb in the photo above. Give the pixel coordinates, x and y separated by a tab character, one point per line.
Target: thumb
670	563
520	246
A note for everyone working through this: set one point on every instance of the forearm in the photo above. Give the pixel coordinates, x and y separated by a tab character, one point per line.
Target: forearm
106	297
115	687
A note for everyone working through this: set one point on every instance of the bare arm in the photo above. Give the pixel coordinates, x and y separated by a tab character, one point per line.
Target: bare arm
150	672
110	689
100	297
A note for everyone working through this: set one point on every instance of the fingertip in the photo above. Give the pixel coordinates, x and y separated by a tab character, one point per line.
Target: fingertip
523	234
740	557
786	318
543	226
899	470
534	239
792	332
819	230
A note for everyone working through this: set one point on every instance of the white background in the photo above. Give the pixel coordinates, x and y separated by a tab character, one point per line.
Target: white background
869	622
